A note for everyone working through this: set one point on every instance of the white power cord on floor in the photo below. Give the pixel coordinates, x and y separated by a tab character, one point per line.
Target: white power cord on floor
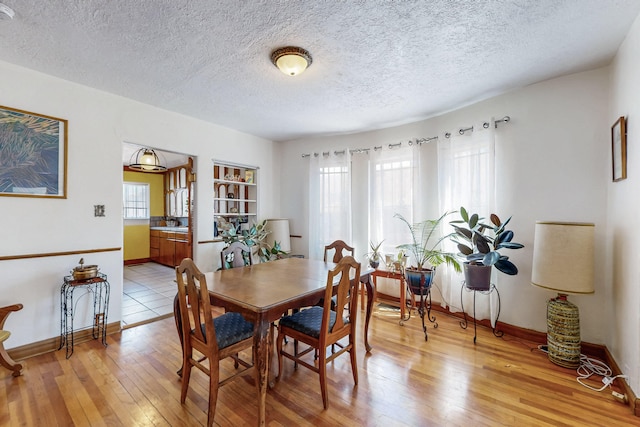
589	367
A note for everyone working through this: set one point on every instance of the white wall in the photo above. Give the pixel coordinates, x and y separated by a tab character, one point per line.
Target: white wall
551	165
98	124
623	207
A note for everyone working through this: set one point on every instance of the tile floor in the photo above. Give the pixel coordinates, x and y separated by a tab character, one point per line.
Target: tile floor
148	290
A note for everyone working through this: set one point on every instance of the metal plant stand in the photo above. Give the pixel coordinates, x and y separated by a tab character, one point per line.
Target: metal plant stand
97	286
424	307
464	324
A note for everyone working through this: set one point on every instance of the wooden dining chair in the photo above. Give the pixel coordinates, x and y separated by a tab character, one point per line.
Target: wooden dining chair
5	359
215	338
237	254
321	327
340	248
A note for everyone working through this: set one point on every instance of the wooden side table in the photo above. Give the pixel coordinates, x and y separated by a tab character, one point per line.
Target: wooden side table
99	287
396	275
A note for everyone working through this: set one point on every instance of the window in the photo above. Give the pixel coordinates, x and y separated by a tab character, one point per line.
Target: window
392	176
329	201
135	200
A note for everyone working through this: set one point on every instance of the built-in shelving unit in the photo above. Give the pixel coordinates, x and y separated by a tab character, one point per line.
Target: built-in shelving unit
235	195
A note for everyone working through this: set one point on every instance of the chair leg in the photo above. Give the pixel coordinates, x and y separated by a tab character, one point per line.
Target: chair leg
214	379
8	362
354	362
279	351
5	359
186	375
322	371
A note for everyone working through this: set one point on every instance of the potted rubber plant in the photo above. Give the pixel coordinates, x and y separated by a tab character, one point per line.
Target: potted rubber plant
480	245
426	253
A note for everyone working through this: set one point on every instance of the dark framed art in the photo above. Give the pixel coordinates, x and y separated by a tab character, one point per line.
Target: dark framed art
619	149
33	154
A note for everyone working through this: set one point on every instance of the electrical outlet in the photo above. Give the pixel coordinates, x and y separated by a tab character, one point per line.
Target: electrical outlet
98	210
622	398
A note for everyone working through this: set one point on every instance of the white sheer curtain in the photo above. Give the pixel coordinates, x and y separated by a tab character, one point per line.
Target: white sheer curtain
393	186
466	177
329	200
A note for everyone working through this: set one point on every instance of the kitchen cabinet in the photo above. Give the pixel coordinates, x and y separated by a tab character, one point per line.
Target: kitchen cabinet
154	245
178	189
235	195
173	246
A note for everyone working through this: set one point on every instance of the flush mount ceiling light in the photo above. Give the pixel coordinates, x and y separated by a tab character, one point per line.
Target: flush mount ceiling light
6	11
146	160
291	60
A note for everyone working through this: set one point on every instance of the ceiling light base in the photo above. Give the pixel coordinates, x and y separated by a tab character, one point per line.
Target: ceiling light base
6	11
291	60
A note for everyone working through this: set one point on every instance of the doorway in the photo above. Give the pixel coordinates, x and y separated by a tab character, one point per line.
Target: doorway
149	243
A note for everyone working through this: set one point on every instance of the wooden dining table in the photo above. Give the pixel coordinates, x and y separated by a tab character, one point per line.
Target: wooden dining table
263	292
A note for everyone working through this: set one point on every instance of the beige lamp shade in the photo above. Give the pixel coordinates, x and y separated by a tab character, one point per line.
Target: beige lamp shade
563	257
279	232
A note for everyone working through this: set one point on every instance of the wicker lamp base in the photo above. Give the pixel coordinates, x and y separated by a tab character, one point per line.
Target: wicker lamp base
563	332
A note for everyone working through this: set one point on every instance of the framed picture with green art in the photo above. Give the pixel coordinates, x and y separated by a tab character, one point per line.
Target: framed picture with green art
33	154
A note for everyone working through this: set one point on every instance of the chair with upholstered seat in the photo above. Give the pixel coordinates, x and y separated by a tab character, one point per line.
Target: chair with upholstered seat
237	254
340	249
5	359
321	327
215	338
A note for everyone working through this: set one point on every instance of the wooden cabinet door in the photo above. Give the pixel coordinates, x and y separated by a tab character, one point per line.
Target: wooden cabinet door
154	245
167	248
182	248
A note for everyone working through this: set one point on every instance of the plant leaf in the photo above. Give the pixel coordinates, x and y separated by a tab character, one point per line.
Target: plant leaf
491	258
464	249
495	220
507	267
473	220
464	214
510	245
504	237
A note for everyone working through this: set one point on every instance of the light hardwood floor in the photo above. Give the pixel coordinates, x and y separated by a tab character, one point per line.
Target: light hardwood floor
404	381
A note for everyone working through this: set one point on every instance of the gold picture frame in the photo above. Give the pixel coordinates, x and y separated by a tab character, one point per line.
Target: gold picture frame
33	154
619	149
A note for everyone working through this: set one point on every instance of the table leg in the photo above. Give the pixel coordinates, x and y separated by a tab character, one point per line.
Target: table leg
261	362
370	299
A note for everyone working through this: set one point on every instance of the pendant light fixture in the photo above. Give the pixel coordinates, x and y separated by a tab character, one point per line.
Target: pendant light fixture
291	60
146	160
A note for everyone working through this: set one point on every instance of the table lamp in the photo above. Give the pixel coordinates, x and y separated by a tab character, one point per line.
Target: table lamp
279	232
563	259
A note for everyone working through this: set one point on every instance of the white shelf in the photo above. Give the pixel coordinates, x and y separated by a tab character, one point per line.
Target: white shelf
224	199
224	181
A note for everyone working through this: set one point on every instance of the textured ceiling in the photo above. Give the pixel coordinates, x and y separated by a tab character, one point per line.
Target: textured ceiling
375	63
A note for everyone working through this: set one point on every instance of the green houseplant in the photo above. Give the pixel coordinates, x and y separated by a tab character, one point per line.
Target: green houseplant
374	256
481	250
425	250
254	237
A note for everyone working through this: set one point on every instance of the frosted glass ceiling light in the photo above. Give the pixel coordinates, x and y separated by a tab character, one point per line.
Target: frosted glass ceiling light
6	11
291	60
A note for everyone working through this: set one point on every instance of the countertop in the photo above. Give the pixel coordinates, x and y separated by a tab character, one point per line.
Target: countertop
174	229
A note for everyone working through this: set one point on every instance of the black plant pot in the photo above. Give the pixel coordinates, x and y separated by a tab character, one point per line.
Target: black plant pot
374	264
419	281
477	277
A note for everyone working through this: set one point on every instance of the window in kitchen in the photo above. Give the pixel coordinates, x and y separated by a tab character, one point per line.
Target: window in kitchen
135	200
